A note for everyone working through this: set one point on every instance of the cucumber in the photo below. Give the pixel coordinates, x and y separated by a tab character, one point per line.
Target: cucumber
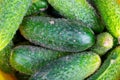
79	10
110	13
37	5
110	69
104	43
4	58
11	15
57	34
28	59
72	67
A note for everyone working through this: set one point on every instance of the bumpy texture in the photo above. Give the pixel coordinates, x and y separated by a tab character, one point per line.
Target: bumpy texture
73	67
4	58
104	42
11	15
57	34
110	13
80	10
110	70
36	6
29	59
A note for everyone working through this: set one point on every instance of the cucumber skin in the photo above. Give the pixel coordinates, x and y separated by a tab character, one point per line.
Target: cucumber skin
4	58
28	59
110	69
110	14
79	10
11	15
36	6
57	34
104	42
72	67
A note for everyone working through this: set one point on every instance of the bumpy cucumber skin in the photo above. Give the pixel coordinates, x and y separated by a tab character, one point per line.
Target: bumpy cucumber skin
103	43
110	70
72	67
110	13
36	6
4	58
28	59
11	15
80	10
57	34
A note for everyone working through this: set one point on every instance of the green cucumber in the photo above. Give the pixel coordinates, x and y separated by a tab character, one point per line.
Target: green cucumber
11	15
104	43
57	34
80	10
4	58
28	59
72	67
110	70
36	6
110	13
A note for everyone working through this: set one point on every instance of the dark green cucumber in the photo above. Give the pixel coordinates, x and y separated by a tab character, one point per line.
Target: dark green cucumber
80	10
11	15
36	6
4	58
110	70
28	59
57	34
104	43
72	67
110	13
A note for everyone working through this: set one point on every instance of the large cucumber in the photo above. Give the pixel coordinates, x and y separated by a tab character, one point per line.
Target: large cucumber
11	15
80	10
72	67
28	59
110	13
57	34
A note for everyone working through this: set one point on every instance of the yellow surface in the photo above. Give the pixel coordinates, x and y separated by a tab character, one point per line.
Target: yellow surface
5	76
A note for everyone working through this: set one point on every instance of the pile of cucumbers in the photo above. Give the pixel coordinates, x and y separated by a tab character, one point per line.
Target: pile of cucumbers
60	39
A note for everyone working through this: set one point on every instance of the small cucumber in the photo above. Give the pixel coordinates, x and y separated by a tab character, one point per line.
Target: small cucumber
57	34
72	67
36	6
79	10
28	59
104	43
11	15
110	70
4	58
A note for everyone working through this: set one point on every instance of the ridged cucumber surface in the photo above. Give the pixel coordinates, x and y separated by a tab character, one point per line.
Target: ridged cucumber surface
29	59
110	69
37	5
4	58
104	42
80	10
72	67
11	15
110	13
57	34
